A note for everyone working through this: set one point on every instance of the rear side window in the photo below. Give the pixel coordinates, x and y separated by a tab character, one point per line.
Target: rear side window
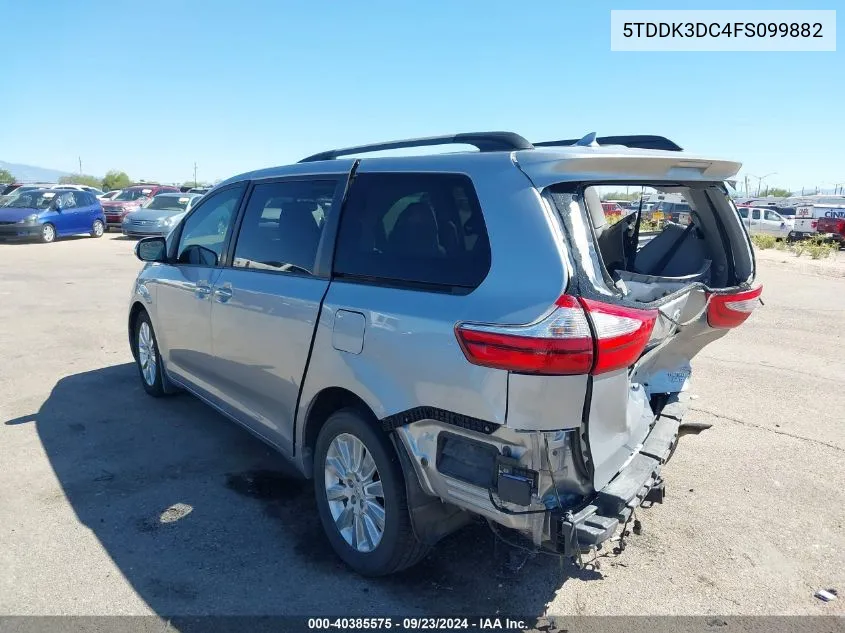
743	212
283	224
416	228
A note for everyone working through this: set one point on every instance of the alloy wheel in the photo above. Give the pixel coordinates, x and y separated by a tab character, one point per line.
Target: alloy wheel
147	353
354	492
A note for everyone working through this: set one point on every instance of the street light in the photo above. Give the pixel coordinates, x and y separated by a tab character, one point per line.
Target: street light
760	180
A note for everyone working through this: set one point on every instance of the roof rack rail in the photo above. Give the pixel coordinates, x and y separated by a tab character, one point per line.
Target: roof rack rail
640	141
484	141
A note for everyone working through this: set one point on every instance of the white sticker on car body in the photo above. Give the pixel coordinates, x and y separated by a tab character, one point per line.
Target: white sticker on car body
670	380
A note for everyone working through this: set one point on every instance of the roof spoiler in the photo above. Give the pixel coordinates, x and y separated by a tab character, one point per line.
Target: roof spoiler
640	141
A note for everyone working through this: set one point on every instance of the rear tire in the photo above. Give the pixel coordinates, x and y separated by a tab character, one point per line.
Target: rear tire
48	233
147	357
367	520
98	228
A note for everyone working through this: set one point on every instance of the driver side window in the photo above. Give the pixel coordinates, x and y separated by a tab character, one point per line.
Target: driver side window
204	232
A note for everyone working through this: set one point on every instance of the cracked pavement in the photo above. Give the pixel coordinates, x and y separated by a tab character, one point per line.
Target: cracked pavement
113	503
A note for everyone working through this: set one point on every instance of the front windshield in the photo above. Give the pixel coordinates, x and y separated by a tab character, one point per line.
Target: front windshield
30	199
169	203
127	195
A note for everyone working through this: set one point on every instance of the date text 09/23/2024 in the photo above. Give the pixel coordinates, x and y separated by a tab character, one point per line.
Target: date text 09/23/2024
418	624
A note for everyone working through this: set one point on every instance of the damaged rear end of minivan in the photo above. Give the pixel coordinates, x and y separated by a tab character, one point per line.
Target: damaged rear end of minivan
599	384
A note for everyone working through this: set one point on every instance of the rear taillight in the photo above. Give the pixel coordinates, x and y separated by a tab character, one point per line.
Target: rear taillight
621	334
562	343
731	310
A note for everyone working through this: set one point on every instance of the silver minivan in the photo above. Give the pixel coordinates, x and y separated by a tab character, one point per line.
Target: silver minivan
457	335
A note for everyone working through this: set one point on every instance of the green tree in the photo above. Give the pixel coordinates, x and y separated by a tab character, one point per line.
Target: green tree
81	179
621	195
6	177
777	192
115	179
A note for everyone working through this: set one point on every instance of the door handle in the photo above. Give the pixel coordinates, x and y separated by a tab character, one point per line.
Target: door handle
202	290
223	294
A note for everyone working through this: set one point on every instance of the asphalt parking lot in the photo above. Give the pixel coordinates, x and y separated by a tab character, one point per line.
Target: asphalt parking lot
93	471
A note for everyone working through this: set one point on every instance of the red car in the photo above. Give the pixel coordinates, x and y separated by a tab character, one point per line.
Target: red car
131	199
612	208
833	229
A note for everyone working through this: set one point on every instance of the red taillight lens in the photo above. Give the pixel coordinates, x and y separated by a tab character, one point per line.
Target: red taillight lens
621	334
731	310
562	343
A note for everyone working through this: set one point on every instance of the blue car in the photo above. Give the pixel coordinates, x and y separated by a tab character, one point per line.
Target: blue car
46	214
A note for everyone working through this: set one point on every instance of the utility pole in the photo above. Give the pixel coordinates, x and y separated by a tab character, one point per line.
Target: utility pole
746	186
80	165
195	173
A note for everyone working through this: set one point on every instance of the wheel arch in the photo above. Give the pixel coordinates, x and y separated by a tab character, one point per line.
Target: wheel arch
134	311
322	406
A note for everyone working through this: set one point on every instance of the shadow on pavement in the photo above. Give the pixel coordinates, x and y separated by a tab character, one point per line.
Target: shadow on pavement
201	518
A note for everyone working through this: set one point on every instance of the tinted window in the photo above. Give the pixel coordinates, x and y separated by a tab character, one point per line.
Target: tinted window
282	225
755	214
743	212
132	194
173	203
66	200
424	228
204	231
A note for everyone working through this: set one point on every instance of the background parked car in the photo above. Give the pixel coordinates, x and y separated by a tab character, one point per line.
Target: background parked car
7	189
159	215
130	199
18	188
677	212
763	221
50	213
94	190
833	229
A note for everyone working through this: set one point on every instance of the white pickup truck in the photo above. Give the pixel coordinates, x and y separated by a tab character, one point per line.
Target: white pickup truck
765	221
807	217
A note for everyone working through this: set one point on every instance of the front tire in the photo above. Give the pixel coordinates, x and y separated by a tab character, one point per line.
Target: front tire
361	496
48	233
98	228
147	357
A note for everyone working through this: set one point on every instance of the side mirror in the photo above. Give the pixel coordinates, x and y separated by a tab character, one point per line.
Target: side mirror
151	249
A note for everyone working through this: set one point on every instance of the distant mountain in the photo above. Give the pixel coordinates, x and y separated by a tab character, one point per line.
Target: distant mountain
29	173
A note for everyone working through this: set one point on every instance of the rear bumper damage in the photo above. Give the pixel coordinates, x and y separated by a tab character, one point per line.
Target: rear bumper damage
531	482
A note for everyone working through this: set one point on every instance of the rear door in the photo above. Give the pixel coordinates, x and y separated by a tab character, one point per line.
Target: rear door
754	224
87	209
774	224
266	304
67	220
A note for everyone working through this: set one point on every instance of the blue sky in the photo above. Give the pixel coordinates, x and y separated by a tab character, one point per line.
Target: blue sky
150	87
